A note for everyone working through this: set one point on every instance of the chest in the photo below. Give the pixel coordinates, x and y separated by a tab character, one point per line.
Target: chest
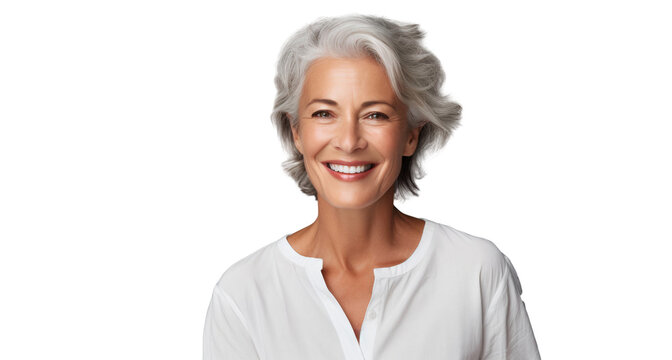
353	295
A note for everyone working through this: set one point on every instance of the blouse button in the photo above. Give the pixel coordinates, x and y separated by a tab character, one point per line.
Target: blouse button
372	315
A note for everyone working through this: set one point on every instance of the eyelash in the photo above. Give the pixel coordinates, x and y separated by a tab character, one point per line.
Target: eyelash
373	113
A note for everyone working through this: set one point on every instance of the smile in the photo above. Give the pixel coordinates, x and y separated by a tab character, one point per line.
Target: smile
349	171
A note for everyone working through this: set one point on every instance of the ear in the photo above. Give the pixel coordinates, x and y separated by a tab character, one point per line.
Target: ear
295	136
412	141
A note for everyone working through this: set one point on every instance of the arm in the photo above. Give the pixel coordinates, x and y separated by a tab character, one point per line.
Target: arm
507	330
226	335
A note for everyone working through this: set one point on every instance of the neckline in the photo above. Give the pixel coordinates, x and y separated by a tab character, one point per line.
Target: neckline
315	263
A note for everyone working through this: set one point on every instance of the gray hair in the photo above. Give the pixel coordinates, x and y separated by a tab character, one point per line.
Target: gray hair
414	72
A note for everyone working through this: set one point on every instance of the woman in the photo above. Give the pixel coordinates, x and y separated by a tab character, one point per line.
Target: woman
358	105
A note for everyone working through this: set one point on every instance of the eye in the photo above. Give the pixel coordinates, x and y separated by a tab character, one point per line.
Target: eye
377	115
321	114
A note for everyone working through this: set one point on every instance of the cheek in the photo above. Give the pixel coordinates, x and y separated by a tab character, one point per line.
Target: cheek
314	140
390	143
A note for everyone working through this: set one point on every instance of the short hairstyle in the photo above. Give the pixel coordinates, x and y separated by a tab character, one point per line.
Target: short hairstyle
414	72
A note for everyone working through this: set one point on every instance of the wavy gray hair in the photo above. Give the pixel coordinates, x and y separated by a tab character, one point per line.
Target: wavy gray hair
414	72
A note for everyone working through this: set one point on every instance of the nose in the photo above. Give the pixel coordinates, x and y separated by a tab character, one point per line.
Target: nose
348	136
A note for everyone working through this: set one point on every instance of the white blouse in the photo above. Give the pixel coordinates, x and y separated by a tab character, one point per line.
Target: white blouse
456	297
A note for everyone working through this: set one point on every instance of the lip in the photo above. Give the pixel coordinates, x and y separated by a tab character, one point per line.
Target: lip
348	163
348	177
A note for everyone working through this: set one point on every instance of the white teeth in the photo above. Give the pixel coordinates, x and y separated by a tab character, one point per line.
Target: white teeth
350	169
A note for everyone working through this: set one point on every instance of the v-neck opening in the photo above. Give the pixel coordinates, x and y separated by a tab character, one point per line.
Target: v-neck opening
357	348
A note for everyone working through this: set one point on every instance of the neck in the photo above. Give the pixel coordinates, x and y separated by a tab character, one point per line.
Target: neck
357	240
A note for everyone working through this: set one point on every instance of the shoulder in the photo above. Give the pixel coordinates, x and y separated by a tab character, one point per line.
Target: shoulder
475	253
472	248
249	270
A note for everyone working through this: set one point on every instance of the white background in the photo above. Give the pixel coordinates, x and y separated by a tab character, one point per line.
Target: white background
138	162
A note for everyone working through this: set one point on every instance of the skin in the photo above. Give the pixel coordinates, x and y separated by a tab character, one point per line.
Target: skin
357	228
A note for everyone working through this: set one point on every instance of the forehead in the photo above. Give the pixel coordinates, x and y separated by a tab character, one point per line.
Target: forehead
363	77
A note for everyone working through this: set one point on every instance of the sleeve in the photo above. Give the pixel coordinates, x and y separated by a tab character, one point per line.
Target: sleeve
507	330
226	335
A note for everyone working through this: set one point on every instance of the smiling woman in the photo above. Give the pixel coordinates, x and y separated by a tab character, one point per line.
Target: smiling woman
358	104
349	116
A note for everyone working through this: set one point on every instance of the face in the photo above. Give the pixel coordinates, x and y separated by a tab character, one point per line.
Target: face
350	115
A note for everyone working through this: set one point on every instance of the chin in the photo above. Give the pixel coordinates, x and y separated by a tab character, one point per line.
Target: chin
349	200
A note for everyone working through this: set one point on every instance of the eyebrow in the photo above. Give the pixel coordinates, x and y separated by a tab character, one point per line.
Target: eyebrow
364	104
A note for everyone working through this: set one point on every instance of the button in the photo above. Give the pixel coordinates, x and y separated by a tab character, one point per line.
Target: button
372	314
